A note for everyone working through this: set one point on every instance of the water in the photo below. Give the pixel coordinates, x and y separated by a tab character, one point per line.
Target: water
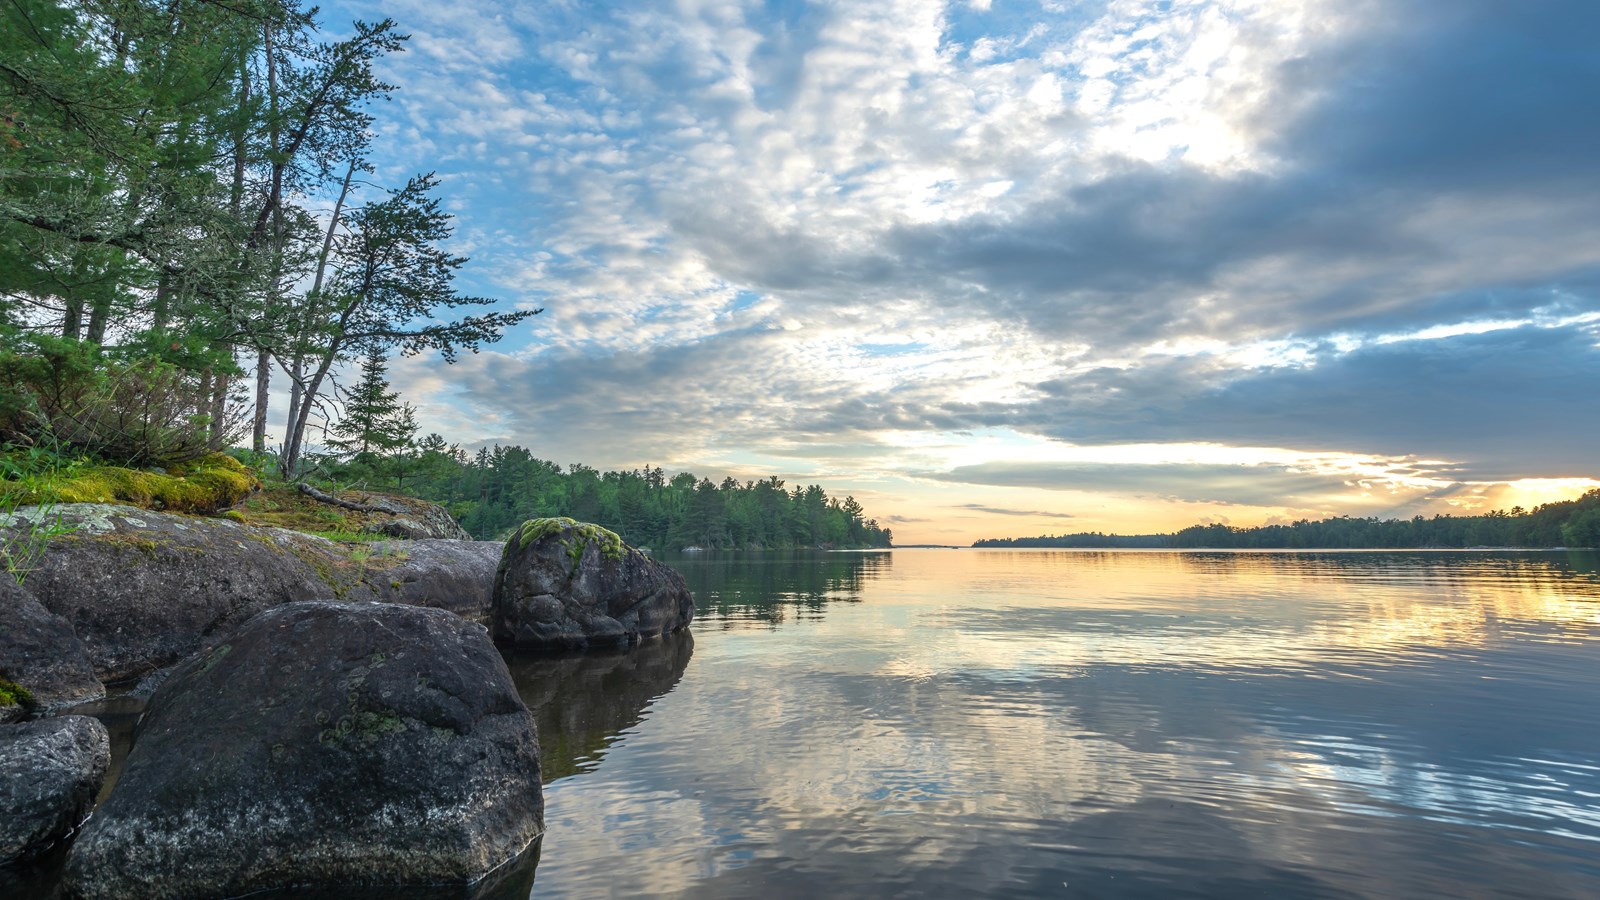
1087	724
942	723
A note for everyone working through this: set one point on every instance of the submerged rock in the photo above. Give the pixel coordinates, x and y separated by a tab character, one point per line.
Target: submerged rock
144	589
321	743
566	585
40	654
50	771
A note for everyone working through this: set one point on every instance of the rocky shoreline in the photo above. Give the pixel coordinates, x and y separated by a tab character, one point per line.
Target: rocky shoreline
320	713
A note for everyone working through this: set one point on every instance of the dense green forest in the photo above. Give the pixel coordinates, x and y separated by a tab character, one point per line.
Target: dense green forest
1570	523
187	214
495	489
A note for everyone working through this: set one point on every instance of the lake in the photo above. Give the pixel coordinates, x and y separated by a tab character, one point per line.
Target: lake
955	723
952	723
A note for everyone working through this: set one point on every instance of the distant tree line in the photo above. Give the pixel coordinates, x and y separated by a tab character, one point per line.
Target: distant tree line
1569	523
494	490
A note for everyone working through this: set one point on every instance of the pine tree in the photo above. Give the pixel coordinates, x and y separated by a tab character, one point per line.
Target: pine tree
375	422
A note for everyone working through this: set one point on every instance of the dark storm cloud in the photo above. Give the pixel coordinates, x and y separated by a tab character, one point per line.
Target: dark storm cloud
1406	147
1474	94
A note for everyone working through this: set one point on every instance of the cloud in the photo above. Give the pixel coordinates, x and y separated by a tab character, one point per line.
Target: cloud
1503	404
1275	224
1000	511
1230	484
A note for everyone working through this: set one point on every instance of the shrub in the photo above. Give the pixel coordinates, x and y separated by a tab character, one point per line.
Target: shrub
74	395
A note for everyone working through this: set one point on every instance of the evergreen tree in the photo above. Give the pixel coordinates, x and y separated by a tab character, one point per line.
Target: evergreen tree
375	422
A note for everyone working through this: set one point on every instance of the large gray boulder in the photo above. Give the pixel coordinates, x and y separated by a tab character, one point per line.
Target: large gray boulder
40	653
566	585
142	589
322	743
50	771
444	574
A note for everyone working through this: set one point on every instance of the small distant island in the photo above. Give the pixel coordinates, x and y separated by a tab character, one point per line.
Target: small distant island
1566	523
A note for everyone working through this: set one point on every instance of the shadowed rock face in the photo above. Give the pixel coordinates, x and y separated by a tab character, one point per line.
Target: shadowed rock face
39	652
50	771
321	743
144	589
564	585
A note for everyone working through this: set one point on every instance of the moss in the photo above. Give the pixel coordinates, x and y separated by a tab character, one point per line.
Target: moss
610	544
205	485
13	694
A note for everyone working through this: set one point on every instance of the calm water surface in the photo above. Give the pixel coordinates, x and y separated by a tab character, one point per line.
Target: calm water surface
1089	724
953	723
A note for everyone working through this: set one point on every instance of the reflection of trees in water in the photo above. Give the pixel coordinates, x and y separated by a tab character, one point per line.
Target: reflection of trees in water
582	703
735	589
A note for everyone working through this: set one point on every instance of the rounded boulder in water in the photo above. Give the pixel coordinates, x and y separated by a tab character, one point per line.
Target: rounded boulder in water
568	585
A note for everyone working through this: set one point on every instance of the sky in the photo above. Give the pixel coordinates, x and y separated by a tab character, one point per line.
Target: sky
1018	268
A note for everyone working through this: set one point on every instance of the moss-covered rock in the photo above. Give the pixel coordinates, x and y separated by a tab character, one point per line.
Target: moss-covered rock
382	515
574	535
205	485
569	585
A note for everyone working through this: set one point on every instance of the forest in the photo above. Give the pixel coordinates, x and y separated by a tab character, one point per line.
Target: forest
493	490
1566	523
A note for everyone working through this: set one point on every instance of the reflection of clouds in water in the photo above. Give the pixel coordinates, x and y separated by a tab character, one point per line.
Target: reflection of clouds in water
1143	725
670	841
1304	612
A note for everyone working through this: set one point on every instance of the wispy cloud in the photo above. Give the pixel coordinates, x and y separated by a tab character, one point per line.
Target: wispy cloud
999	511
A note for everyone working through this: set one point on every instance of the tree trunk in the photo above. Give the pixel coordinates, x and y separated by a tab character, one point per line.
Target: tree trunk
219	409
163	303
301	395
72	323
258	431
297	433
297	373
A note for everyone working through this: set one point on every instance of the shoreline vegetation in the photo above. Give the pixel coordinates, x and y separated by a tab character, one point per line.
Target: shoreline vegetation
1565	523
497	489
